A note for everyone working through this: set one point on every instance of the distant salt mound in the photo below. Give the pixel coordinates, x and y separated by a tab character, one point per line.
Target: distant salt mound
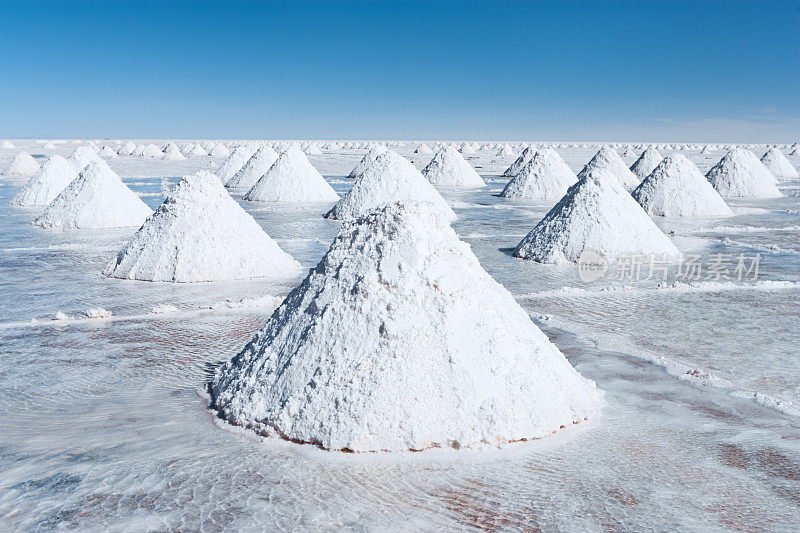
423	149
676	188
390	178
23	165
467	149
521	161
777	163
126	149
253	169
219	150
366	161
607	158
505	151
7	145
82	156
199	234
173	153
106	152
598	216
740	174
196	150
312	149
50	146
646	163
398	340
56	173
96	199
448	168
240	155
545	177
292	178
151	150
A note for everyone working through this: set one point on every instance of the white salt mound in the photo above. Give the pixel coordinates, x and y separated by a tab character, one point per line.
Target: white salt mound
7	145
596	215
56	173
96	199
126	149
254	168
82	156
107	152
607	158
151	150
196	150
777	163
423	149
740	174
237	159
198	234
676	188
399	340
448	168
646	163
388	179
50	146
219	150
505	151
23	165
173	153
520	162
546	176
366	161
292	178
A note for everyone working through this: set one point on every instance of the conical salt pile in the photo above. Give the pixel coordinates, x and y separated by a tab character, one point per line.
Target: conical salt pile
676	188
646	163
240	155
596	215
607	158
219	150
23	165
399	340
390	178
448	168
107	152
292	178
740	174
96	199
82	156
254	168
545	177
366	161
777	163
173	153
196	150
56	173
467	149
7	145
423	149
151	150
505	151
312	149
126	149
200	233
520	162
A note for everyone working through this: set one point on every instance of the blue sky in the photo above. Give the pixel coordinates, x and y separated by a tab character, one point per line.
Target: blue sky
639	70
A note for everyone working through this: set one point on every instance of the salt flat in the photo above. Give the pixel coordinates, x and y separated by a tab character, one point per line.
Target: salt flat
102	426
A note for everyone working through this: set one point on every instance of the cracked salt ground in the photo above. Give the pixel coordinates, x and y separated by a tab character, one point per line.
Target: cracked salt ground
102	426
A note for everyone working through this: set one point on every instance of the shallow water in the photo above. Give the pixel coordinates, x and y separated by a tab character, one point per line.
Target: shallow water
102	426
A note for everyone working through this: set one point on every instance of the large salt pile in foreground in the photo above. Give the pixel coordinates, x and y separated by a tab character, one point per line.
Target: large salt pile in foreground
366	161
546	176
399	340
200	233
521	161
96	199
676	188
646	163
448	168
292	178
740	174
23	165
388	179
253	169
777	163
56	173
596	215
237	159
607	158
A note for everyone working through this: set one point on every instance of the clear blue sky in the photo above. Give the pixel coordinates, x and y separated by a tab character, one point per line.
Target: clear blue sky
602	70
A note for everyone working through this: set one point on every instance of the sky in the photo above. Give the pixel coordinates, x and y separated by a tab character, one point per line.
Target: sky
725	71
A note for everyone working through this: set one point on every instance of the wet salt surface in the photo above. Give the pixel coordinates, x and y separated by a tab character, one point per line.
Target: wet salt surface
101	423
